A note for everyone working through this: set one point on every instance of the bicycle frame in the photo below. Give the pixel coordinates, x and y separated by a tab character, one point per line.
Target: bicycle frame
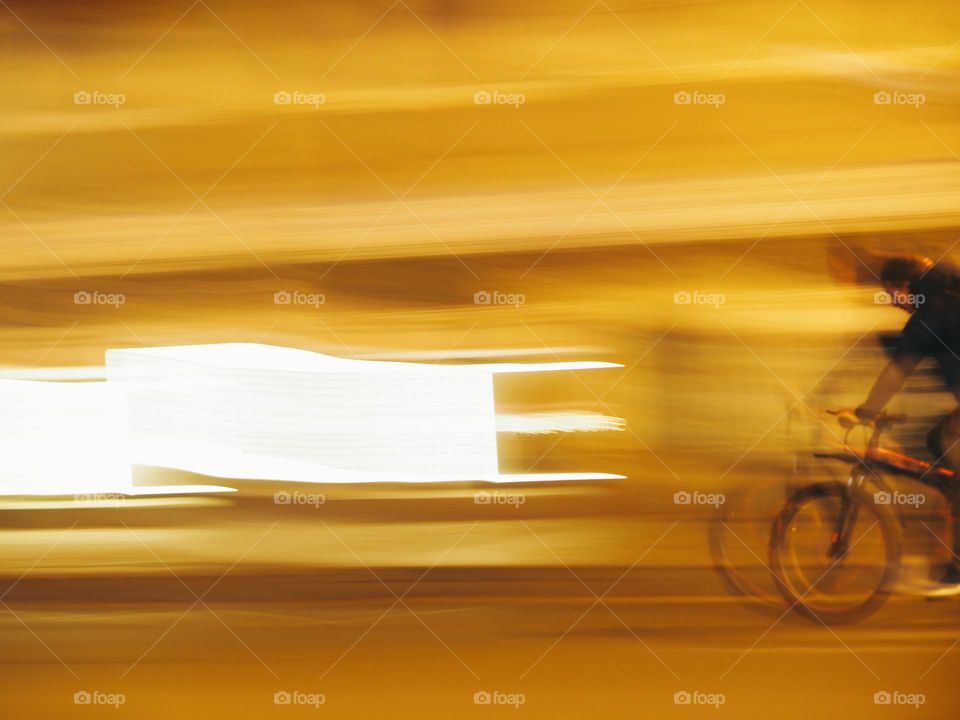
863	466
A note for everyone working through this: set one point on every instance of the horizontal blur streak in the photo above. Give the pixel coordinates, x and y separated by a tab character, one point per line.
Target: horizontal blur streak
723	255
866	198
319	182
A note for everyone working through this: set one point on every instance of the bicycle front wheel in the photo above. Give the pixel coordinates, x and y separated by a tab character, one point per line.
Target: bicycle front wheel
739	540
835	552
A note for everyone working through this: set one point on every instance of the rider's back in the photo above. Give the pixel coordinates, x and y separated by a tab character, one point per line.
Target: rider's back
934	329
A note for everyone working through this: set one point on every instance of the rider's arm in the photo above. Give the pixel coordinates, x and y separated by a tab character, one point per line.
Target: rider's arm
891	379
917	341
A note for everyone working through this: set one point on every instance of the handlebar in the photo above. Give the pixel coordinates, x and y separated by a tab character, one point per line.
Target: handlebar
882	420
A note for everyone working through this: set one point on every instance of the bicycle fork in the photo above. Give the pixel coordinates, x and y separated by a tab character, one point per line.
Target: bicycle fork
843	525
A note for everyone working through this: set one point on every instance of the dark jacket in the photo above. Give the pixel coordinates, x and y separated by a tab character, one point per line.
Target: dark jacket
933	330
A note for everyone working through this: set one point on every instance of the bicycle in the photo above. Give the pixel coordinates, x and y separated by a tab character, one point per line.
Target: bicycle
835	547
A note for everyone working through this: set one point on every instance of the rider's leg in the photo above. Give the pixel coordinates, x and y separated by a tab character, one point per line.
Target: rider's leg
944	442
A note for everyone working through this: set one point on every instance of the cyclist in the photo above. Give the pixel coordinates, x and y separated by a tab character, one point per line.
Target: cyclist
930	292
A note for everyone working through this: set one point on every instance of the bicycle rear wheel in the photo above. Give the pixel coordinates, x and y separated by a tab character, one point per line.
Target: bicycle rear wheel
824	579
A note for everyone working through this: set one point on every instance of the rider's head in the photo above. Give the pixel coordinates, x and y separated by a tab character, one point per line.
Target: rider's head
898	276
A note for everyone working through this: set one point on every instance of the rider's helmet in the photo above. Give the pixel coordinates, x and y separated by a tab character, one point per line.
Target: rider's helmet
911	280
904	271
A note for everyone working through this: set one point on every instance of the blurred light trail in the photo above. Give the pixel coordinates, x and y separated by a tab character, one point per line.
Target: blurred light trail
80	372
254	411
63	438
557	422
